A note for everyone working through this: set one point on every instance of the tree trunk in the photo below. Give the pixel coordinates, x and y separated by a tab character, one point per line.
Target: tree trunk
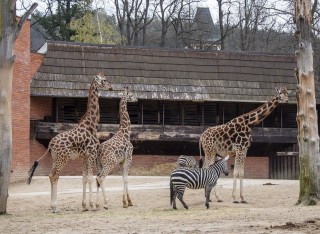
308	137
6	69
9	30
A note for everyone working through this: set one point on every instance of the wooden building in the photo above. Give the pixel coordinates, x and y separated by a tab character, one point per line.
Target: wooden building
180	93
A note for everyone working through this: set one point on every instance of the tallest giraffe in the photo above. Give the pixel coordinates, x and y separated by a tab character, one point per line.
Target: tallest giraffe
234	138
81	141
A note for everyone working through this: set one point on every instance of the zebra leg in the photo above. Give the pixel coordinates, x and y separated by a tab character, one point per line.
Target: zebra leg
174	205
208	191
180	197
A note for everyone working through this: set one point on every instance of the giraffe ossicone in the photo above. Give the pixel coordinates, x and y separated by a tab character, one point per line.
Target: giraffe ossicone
81	141
234	138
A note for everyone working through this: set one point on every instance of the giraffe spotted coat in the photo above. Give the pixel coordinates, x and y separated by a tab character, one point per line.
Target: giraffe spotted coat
117	151
81	141
234	138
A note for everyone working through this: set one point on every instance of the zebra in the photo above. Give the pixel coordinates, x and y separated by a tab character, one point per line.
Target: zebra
196	179
186	161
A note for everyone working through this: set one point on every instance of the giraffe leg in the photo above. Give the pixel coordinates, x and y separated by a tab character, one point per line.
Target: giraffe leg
216	194
241	187
100	182
84	192
126	199
54	177
54	182
235	175
234	188
84	185
126	168
90	180
97	194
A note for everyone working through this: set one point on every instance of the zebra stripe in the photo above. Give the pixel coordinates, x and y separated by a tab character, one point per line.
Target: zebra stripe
186	161
183	178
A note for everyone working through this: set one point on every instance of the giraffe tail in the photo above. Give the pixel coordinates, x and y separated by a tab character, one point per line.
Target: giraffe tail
35	164
31	171
200	160
98	184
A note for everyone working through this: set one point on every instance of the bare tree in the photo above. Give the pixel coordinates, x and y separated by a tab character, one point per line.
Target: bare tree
9	31
133	17
226	26
308	137
168	10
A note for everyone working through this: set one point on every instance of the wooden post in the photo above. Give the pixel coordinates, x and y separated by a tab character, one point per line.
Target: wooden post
307	120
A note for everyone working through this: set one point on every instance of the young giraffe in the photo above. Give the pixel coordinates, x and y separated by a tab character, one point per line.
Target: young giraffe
117	151
234	139
81	141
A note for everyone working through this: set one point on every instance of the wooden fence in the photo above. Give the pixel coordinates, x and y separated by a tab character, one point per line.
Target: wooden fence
284	165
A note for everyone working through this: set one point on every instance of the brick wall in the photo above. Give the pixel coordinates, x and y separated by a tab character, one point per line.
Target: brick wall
20	104
24	67
73	167
255	167
40	107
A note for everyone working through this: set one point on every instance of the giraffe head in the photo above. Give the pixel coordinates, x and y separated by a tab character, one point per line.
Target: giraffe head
102	82
283	93
128	95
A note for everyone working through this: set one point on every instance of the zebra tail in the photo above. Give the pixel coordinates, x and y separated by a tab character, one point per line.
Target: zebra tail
200	160
171	192
35	164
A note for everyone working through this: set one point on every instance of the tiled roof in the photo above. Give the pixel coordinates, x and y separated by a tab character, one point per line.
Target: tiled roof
164	74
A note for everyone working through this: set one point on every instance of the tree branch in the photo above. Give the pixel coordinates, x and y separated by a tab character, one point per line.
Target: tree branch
24	17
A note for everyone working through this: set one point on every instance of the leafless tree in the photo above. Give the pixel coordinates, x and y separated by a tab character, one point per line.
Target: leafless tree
308	136
168	9
133	18
9	31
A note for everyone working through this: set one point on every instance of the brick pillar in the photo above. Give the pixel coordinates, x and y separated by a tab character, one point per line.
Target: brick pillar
20	104
23	70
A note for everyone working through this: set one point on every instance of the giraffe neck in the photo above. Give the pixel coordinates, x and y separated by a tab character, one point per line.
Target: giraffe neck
256	116
92	116
125	125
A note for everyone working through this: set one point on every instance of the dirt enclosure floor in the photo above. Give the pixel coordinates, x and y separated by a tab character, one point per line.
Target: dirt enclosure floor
270	209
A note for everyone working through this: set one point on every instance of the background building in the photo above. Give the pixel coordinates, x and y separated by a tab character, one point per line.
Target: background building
180	93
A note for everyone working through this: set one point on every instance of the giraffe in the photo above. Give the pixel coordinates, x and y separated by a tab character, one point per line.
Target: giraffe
117	151
81	141
234	139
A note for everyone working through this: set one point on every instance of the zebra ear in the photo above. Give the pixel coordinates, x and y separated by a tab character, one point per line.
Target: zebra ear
226	158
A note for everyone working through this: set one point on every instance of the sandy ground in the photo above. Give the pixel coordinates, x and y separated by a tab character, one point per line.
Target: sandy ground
270	209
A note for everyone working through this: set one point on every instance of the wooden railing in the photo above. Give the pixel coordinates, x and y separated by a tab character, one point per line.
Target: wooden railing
47	130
